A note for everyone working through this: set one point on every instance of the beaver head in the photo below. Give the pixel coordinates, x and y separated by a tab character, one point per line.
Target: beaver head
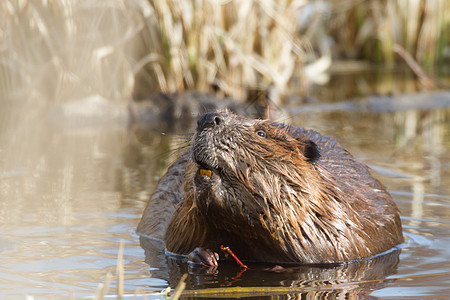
245	166
289	193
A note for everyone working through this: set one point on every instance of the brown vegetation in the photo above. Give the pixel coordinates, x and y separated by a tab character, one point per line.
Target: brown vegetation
70	49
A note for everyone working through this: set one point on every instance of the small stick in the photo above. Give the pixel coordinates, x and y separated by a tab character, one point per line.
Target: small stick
424	79
228	250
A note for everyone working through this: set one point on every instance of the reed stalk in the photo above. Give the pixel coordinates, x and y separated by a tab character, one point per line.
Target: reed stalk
67	49
234	45
373	28
70	49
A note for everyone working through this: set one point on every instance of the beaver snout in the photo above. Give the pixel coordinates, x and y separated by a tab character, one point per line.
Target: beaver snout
204	148
209	119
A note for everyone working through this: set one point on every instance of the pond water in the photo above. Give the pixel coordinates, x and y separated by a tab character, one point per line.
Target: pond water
70	194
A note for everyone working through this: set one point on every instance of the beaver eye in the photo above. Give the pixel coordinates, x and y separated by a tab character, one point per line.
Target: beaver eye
261	133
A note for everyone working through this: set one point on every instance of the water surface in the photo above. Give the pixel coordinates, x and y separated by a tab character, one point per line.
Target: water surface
70	194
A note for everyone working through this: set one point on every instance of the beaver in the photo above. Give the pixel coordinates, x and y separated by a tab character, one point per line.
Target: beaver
271	192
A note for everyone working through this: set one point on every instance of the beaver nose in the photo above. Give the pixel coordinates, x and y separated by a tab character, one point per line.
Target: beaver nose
210	119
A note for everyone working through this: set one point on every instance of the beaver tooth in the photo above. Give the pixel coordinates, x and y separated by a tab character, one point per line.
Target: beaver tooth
205	172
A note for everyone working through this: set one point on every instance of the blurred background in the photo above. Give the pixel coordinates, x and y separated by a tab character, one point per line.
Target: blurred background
97	98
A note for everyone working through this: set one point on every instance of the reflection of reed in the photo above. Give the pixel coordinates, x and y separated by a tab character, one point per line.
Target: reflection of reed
426	132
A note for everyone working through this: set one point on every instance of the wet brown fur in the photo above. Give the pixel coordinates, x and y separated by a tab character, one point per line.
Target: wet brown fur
277	198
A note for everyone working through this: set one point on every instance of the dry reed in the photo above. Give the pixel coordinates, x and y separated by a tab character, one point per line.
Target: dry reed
69	49
234	45
373	28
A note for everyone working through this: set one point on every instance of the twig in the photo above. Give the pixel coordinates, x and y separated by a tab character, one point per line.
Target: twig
424	79
180	287
228	250
120	271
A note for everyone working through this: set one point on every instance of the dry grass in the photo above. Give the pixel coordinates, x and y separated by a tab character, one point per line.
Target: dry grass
103	288
63	50
372	28
232	44
69	49
59	50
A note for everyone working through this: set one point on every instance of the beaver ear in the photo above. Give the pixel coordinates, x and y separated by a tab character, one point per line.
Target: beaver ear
310	151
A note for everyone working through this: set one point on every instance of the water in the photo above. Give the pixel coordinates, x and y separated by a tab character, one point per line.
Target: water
70	194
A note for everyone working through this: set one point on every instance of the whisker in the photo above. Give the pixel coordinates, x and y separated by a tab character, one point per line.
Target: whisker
183	136
174	152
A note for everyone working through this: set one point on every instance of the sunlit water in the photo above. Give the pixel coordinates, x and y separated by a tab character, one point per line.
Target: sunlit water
70	194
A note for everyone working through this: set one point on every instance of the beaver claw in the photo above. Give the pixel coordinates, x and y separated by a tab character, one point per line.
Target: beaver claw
204	257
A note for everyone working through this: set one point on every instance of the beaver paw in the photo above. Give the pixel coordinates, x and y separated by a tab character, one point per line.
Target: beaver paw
204	257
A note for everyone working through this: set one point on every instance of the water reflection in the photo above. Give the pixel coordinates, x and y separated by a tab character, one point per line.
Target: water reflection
356	278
